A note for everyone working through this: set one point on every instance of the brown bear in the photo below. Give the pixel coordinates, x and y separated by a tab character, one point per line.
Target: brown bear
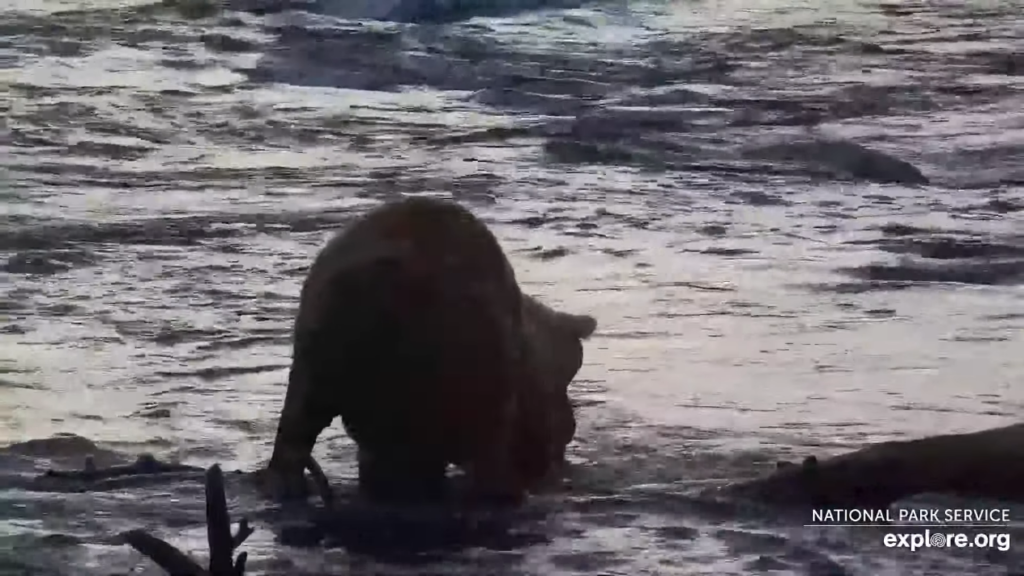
412	328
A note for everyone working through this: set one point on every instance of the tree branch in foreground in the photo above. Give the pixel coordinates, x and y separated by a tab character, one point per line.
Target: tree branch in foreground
218	527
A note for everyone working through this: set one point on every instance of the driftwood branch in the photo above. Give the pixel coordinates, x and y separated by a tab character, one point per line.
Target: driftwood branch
218	529
218	524
173	561
244	531
987	464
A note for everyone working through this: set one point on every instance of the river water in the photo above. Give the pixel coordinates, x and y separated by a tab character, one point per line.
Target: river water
798	223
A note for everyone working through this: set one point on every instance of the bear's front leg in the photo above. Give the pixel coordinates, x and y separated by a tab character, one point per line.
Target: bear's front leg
494	477
304	416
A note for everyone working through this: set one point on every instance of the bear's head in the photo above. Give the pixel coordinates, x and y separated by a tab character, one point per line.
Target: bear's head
554	345
555	341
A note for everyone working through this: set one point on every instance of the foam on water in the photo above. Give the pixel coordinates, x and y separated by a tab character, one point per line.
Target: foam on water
799	229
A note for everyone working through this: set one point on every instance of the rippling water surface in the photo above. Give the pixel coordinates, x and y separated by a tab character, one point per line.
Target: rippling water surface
799	224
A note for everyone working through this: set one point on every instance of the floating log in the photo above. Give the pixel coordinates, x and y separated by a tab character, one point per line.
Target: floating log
144	464
987	464
146	470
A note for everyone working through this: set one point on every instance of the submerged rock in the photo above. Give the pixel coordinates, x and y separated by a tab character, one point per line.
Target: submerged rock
411	11
847	158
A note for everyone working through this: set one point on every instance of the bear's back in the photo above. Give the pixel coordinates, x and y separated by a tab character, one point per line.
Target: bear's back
439	243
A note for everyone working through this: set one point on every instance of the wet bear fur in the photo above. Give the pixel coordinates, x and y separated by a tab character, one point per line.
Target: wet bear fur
413	329
554	345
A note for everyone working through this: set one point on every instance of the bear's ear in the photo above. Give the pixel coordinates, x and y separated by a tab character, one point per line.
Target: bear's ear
582	325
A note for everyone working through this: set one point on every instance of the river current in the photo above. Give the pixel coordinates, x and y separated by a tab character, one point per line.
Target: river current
799	225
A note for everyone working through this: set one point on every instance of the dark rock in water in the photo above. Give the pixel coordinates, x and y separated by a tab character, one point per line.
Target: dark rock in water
899	229
437	11
225	43
956	271
261	7
1003	206
844	157
569	151
44	262
942	256
952	248
409	11
557	105
758	198
59	445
